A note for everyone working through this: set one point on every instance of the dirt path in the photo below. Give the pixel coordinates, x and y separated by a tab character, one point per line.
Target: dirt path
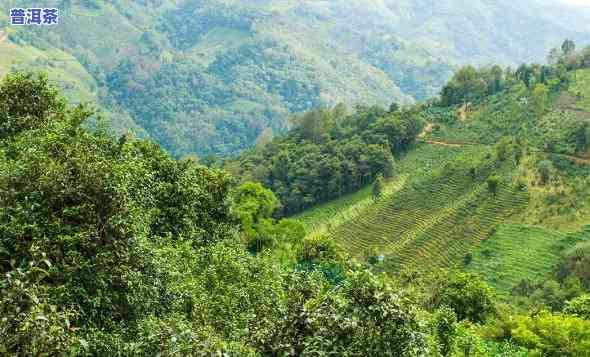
442	143
3	36
427	129
576	159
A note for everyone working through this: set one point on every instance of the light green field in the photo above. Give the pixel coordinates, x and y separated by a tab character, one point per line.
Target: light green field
62	68
517	252
415	164
432	214
217	41
432	225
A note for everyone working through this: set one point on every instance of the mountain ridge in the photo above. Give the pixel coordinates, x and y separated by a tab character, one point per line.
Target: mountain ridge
238	68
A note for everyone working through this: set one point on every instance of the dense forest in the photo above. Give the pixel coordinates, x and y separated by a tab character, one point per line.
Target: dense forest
214	76
329	153
111	247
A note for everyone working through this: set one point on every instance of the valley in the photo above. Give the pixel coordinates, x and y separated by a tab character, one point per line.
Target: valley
211	76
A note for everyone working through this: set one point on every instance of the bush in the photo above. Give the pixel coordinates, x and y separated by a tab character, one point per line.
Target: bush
318	249
365	316
27	101
445	329
545	168
493	183
553	335
575	263
579	307
465	293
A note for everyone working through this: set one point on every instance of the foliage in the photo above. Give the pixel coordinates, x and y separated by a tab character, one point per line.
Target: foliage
465	293
21	111
579	307
377	188
30	323
253	204
545	168
445	329
553	335
493	182
328	154
576	263
470	85
365	316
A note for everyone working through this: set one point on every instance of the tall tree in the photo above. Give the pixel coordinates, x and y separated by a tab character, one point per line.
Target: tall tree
568	47
377	191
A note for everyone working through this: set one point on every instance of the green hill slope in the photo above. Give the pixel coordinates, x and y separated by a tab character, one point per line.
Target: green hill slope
515	252
209	76
435	219
440	210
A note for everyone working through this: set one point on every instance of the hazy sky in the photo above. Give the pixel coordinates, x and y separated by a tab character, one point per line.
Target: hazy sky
574	2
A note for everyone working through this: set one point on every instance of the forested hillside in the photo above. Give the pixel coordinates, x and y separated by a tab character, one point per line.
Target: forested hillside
109	247
212	76
372	178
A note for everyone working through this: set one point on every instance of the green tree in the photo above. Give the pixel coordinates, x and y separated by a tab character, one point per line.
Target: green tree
493	183
575	263
365	316
377	190
545	167
582	135
525	74
503	148
389	165
253	204
579	306
465	293
553	335
540	94
27	101
394	107
467	85
568	47
445	329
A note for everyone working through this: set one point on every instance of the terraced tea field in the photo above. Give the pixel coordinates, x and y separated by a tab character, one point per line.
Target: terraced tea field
434	226
410	169
516	252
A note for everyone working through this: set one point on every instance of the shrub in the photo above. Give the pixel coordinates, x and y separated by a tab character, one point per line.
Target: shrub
579	306
545	168
465	293
445	329
493	183
554	335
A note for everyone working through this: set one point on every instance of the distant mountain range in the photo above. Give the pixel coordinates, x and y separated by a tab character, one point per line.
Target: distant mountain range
211	76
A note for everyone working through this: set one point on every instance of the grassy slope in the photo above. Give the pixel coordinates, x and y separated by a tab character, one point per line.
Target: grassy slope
505	114
517	251
416	163
430	216
436	221
61	67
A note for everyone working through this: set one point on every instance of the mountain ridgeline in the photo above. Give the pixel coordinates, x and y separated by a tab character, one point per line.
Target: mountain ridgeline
211	76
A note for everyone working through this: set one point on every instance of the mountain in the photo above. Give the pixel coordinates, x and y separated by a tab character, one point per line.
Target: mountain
211	76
